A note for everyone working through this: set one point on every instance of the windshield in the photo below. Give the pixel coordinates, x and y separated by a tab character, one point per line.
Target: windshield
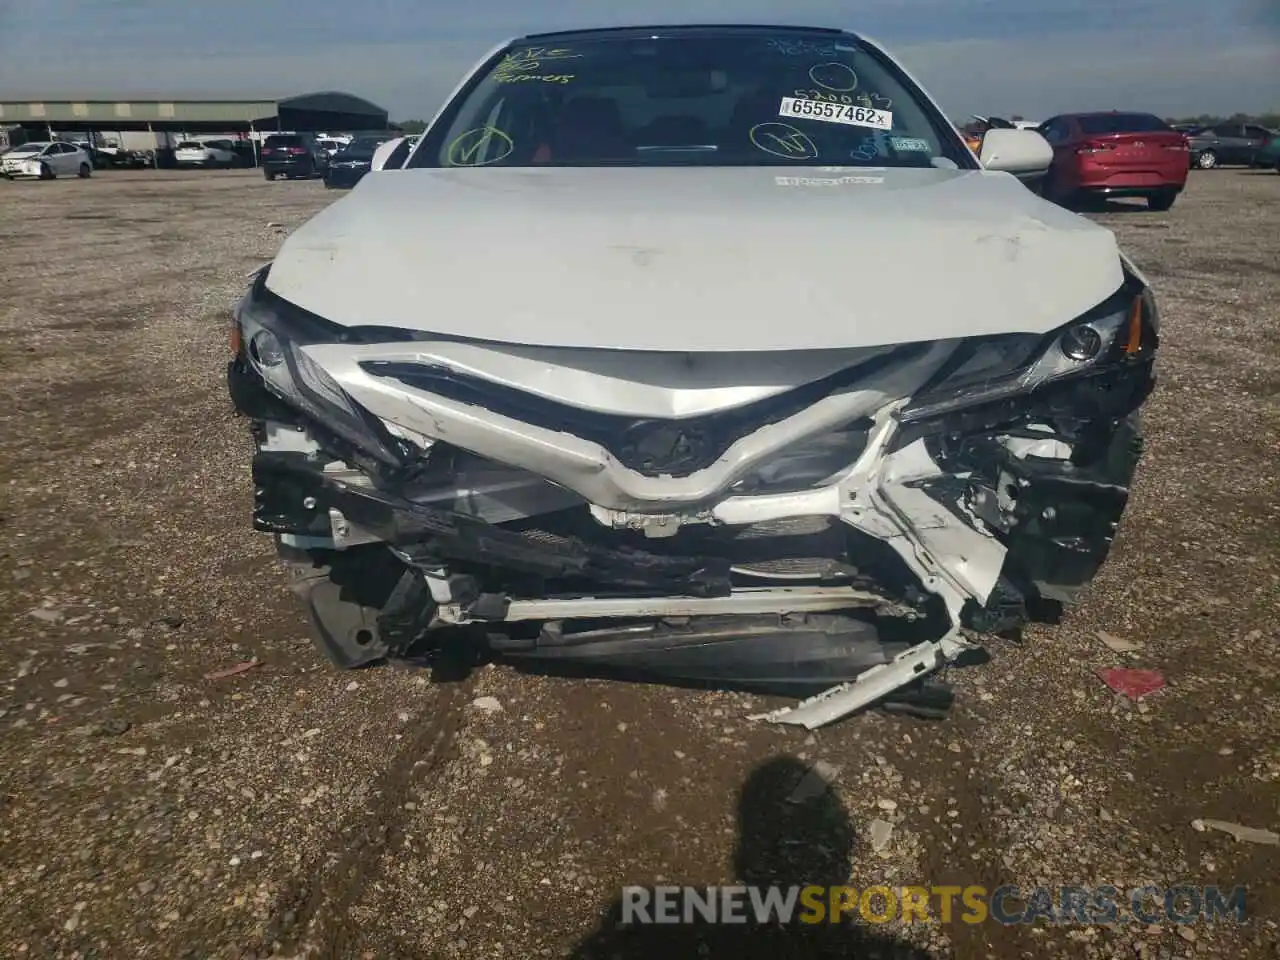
190	145
27	148
278	141
694	97
1121	123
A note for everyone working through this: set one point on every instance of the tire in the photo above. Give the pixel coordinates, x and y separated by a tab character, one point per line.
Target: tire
267	175
46	172
1207	159
1162	200
85	171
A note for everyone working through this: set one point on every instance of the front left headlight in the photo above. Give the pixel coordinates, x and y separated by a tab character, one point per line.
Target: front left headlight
272	335
1123	330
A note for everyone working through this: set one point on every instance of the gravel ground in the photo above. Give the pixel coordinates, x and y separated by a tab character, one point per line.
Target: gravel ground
149	811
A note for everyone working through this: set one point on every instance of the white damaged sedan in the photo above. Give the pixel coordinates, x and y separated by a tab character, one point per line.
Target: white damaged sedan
653	359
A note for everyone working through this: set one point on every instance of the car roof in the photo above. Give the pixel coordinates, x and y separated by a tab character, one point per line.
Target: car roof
645	31
1106	113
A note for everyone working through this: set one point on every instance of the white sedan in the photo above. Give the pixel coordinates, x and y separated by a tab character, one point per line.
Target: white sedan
46	159
209	153
649	360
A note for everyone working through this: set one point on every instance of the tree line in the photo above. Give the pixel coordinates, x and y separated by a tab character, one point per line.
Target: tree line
1269	120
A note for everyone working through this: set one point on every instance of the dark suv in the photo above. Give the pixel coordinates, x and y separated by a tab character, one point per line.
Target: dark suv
293	155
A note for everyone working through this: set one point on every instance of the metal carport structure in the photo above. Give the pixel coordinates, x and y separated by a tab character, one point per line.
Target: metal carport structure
331	110
308	112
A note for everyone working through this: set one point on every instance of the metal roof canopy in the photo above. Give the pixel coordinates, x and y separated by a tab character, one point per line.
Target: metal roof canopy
327	110
330	110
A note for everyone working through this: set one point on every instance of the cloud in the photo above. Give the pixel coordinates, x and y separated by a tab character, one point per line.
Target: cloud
1032	58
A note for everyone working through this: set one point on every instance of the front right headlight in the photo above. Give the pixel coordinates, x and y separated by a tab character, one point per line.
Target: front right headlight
1122	330
272	336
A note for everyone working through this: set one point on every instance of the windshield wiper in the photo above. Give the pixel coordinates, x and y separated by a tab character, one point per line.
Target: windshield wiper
688	148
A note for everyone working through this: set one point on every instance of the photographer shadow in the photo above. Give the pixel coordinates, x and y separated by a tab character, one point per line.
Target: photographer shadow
786	838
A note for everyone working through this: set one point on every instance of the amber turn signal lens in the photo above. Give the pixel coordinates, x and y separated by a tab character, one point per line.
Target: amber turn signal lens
233	339
1134	344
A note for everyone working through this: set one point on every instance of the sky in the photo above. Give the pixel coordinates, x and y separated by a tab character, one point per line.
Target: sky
1032	58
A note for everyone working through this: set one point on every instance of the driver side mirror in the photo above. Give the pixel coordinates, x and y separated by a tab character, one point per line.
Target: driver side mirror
1020	152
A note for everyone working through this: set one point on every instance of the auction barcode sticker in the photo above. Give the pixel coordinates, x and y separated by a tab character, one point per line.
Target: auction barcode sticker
845	113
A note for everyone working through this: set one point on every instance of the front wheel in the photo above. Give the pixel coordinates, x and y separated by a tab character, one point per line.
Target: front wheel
85	172
1162	201
46	172
268	175
1207	160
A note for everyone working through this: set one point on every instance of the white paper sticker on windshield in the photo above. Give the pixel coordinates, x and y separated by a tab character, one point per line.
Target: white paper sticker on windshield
845	113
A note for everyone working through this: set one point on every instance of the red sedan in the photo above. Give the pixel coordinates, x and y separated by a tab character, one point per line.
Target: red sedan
1115	155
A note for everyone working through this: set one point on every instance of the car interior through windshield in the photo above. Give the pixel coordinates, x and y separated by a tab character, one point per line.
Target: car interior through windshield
712	99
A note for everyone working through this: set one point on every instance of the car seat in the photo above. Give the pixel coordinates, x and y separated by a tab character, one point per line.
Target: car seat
674	130
586	129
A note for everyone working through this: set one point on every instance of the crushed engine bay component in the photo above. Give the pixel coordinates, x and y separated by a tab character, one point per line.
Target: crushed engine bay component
611	395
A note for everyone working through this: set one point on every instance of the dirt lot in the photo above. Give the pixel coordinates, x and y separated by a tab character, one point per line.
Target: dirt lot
147	811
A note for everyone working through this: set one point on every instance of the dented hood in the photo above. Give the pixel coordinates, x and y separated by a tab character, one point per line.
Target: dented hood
698	259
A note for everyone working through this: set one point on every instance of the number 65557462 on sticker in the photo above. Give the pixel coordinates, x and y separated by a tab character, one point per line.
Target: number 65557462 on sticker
845	113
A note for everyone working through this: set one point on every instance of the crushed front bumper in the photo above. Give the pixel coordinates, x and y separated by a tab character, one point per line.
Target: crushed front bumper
558	545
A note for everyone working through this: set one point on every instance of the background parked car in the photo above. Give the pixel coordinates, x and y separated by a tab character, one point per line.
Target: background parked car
1115	155
332	145
46	159
293	155
88	147
1227	143
1269	155
111	154
207	153
352	162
